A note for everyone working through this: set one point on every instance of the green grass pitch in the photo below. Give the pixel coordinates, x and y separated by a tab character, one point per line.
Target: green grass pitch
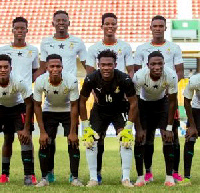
111	172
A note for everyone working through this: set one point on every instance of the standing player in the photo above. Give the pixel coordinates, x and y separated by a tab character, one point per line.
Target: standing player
124	60
155	111
173	59
60	106
68	47
193	131
24	63
109	85
15	117
123	49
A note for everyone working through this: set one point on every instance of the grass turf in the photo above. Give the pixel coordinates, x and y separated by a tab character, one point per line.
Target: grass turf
111	171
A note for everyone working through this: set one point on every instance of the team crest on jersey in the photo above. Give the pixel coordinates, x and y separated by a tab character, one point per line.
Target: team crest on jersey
65	91
168	51
164	84
117	90
119	51
71	46
29	54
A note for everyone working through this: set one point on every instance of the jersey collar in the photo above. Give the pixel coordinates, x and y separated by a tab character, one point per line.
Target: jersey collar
158	45
109	44
16	47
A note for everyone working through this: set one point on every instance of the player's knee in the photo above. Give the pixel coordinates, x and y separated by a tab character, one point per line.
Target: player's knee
27	147
8	140
192	139
167	143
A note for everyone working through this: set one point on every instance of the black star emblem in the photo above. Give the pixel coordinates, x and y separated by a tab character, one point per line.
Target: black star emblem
19	53
46	91
61	46
55	92
155	86
4	93
145	85
51	46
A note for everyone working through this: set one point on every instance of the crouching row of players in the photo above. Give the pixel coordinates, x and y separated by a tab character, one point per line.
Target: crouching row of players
149	109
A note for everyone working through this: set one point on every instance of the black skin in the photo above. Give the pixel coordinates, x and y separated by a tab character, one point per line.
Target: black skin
158	27
61	24
109	28
192	130
54	67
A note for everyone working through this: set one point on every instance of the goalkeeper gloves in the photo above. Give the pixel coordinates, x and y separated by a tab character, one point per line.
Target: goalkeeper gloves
89	135
126	136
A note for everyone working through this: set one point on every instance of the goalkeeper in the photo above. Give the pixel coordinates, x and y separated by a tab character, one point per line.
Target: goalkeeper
110	87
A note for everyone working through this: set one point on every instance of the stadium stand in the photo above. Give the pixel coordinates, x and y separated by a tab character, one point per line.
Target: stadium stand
85	17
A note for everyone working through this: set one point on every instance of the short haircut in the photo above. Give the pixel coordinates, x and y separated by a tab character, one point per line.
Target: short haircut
155	54
4	57
158	17
105	15
53	56
107	53
60	12
19	19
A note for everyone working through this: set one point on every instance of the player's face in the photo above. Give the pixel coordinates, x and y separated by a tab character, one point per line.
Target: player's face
109	26
5	69
54	67
158	28
61	23
156	65
107	66
20	30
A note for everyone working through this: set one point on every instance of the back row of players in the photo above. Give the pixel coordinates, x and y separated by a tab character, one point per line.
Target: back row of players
58	56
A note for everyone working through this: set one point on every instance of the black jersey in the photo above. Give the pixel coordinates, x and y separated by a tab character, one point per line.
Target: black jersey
110	94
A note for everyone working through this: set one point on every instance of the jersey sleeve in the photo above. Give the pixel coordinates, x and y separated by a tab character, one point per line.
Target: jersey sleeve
91	58
129	87
24	89
43	51
87	87
38	90
82	53
173	84
138	57
129	56
190	88
35	64
137	82
178	56
74	93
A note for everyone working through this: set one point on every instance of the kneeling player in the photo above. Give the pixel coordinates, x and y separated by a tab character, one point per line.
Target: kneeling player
60	106
193	131
156	111
15	117
110	86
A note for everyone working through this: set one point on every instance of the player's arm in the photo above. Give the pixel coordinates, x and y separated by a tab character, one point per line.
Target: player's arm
188	94
178	61
35	64
37	96
90	61
172	97
40	70
180	71
130	70
82	53
43	135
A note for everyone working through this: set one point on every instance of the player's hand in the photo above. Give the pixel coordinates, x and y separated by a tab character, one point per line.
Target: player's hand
44	138
191	132
140	136
126	136
168	136
89	135
73	140
24	136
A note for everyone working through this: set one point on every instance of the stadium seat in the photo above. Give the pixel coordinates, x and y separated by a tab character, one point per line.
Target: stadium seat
134	17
